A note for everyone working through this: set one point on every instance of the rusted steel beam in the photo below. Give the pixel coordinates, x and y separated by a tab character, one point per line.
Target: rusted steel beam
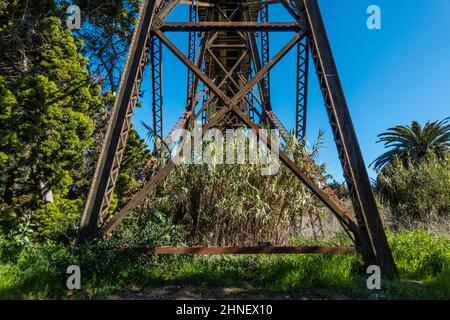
293	7
192	46
350	153
301	110
117	219
261	73
230	26
242	250
263	85
228	76
204	36
157	95
178	53
366	232
168	8
108	165
265	50
344	217
197	3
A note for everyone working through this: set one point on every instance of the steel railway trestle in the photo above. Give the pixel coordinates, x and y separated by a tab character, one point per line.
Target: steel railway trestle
229	85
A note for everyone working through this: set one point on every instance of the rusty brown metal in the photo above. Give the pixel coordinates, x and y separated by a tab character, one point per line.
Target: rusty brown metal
230	67
227	26
117	219
107	168
242	250
375	247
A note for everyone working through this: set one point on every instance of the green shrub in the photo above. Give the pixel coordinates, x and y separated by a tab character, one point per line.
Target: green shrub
59	220
416	192
39	271
440	286
34	272
419	255
152	227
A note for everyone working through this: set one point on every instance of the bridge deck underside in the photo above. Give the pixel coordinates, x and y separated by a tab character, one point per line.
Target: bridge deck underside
228	47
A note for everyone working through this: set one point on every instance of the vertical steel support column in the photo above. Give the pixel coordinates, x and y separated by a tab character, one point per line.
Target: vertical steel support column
107	169
302	88
265	48
192	46
205	111
251	111
157	93
377	251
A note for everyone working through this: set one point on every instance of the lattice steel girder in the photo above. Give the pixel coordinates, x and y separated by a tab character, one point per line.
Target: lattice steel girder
367	231
157	93
344	217
263	85
107	169
261	73
231	105
366	211
265	48
168	8
204	111
191	54
191	66
302	89
151	185
230	26
244	90
200	59
228	75
293	7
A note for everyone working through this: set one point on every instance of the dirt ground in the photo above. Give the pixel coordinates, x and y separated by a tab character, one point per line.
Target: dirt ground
189	293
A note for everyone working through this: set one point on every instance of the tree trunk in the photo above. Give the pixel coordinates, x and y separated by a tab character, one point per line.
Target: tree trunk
45	191
9	189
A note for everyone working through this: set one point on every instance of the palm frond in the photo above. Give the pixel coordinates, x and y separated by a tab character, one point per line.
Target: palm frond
414	143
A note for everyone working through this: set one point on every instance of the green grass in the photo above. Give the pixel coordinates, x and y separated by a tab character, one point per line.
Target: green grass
32	273
39	272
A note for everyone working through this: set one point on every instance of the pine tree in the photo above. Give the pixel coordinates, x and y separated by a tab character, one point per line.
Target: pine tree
46	119
53	116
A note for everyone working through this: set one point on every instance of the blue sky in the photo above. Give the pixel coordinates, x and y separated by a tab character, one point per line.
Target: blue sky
390	76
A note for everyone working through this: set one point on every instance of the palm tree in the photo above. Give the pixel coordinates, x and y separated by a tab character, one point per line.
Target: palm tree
414	143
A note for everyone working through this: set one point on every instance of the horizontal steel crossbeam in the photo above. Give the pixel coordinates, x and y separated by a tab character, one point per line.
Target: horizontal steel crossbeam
230	26
242	250
236	46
